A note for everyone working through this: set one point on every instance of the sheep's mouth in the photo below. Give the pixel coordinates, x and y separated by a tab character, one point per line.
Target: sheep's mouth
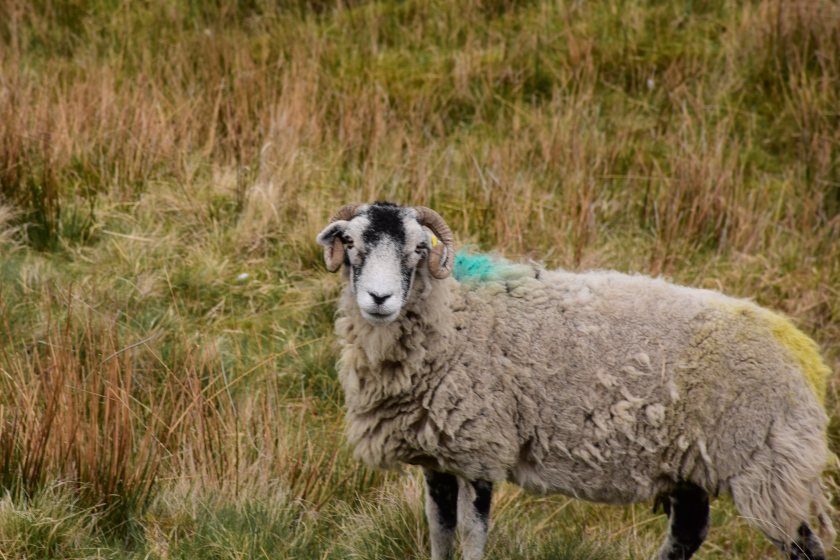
377	318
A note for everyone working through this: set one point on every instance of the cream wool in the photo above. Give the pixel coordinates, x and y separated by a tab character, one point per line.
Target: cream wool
603	386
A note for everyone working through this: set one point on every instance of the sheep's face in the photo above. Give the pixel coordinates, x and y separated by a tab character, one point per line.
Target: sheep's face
383	245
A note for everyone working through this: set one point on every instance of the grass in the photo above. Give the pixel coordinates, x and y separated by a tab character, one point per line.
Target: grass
166	356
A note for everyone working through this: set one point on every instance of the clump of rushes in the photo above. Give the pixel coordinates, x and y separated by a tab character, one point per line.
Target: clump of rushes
71	411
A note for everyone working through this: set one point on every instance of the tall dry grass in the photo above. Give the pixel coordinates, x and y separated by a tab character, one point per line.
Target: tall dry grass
165	349
70	412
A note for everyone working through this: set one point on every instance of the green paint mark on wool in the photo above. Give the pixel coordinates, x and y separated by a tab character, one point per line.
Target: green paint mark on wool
474	267
480	267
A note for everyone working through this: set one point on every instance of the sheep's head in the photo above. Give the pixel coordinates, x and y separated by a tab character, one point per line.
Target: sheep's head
382	246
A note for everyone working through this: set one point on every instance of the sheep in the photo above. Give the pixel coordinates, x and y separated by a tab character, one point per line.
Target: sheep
604	386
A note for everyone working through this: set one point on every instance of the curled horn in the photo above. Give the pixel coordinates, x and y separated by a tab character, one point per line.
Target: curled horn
442	255
334	253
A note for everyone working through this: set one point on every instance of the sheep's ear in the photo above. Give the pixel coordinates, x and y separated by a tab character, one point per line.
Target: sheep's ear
330	239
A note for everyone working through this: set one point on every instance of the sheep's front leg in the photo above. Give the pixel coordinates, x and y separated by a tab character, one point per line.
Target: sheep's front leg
441	511
687	507
474	516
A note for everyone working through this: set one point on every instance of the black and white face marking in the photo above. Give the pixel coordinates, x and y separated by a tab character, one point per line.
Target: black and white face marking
383	244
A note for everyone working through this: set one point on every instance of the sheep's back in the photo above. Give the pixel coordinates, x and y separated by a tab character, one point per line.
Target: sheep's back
618	384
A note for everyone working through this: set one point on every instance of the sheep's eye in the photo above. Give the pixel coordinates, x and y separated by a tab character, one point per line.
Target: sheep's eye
348	241
421	248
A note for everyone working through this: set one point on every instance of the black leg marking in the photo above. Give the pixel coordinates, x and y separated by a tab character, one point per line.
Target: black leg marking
474	517
443	489
688	507
442	512
807	545
483	497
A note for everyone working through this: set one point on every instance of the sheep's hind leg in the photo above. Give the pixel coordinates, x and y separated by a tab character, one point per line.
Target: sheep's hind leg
442	512
807	545
688	508
474	516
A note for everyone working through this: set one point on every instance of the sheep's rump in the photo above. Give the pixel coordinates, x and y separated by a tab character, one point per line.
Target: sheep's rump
611	387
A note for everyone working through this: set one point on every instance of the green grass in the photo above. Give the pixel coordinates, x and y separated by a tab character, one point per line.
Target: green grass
167	363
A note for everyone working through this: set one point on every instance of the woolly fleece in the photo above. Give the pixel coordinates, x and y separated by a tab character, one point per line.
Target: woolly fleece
599	385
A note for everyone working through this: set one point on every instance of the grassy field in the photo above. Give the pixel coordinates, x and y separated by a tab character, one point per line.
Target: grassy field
167	381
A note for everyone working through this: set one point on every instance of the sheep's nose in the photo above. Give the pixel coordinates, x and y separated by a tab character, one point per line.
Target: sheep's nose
377	299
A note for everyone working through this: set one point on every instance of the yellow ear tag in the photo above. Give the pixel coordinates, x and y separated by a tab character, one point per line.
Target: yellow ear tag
434	241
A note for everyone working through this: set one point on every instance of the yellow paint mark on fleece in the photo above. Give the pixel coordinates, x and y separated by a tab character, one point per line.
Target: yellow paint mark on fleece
800	347
804	350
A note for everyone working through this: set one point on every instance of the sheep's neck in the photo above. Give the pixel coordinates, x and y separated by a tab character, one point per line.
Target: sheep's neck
383	363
